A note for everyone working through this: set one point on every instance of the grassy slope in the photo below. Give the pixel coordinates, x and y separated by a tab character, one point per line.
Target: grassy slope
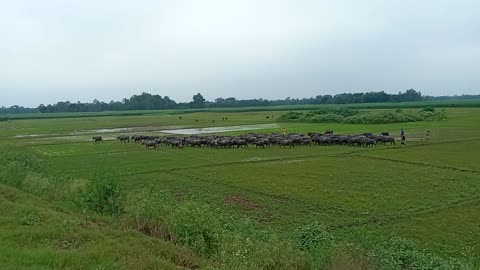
37	234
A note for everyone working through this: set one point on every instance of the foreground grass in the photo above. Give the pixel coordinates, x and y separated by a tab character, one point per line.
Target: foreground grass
37	234
156	231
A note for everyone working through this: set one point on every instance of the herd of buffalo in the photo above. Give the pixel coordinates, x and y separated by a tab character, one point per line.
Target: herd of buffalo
258	140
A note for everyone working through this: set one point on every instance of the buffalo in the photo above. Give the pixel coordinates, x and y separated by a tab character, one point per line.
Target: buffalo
150	144
366	139
388	139
123	139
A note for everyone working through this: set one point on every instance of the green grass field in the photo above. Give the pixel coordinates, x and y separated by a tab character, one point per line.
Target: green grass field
425	192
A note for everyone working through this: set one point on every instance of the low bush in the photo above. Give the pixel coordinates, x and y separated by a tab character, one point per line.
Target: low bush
428	109
313	236
103	196
30	218
382	118
432	116
13	174
399	253
352	116
25	159
350	257
342	111
15	167
292	116
327	118
359	249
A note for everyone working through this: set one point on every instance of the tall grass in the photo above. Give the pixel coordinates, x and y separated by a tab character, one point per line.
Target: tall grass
235	243
101	195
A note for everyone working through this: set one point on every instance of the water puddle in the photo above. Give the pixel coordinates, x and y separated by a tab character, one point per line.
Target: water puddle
110	132
195	131
103	130
286	161
33	135
91	132
255	159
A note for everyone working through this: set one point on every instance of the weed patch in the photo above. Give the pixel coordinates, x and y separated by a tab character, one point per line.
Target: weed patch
235	243
103	196
352	116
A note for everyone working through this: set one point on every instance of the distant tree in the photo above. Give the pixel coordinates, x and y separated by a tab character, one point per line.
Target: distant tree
326	99
42	108
198	101
409	95
17	109
219	100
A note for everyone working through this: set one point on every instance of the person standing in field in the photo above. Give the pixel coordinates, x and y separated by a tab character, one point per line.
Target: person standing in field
284	131
402	135
427	136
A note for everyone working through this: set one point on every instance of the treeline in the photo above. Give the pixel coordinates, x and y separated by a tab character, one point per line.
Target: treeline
146	101
345	98
17	109
455	97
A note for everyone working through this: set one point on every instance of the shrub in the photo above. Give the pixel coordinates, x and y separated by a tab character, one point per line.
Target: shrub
27	160
275	253
400	253
30	218
312	236
353	116
327	118
234	242
346	112
349	257
432	116
428	109
15	167
339	111
292	116
190	224
13	174
360	249
197	227
382	118
102	196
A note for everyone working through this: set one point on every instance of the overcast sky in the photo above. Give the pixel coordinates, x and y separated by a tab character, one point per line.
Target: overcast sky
109	49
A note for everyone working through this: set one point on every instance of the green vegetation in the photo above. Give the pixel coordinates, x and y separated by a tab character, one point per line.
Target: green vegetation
354	116
69	203
103	196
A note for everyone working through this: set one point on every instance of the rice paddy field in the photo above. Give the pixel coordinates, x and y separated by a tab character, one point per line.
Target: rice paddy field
306	207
